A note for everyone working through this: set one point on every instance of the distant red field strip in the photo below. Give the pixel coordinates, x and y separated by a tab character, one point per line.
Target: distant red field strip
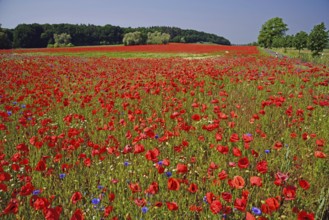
169	48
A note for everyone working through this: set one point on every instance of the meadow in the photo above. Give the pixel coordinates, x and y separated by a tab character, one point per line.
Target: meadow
173	132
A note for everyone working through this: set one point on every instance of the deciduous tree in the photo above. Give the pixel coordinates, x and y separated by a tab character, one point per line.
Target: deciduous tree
274	27
317	39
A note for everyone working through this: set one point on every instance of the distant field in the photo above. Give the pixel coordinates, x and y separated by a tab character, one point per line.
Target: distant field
169	50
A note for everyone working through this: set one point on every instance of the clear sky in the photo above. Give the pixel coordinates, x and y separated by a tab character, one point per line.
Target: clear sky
237	20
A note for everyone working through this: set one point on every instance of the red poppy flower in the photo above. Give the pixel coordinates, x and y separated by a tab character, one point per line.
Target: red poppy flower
153	188
227	196
193	188
181	168
243	163
140	202
173	184
52	213
194	208
12	207
76	197
139	149
278	145
249	216
222	149
320	154
255	181
305	216
304	184
26	189
77	215
289	192
108	210
215	206
237	182
222	175
240	204
262	166
196	117
134	187
271	205
41	166
172	206
236	152
152	154
234	138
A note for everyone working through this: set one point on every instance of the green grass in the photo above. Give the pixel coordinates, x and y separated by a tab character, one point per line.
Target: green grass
305	55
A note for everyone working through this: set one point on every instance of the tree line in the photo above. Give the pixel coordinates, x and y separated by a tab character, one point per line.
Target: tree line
273	35
42	35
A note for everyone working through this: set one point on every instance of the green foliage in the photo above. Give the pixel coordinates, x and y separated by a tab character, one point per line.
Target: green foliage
28	36
318	39
157	38
5	42
133	38
62	39
274	27
300	40
36	35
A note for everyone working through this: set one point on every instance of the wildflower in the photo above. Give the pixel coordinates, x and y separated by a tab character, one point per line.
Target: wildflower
62	176
145	209
168	174
156	136
95	201
36	192
9	113
126	163
100	187
160	163
267	151
256	211
23	106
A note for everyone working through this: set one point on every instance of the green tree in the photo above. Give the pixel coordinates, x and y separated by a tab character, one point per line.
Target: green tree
274	27
317	39
28	36
133	38
300	41
5	42
157	38
62	39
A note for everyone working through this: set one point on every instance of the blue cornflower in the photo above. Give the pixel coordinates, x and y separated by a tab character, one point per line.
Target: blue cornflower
145	209
36	192
256	211
23	106
100	187
126	163
62	176
160	163
205	199
95	201
156	136
14	103
249	135
9	113
267	151
168	174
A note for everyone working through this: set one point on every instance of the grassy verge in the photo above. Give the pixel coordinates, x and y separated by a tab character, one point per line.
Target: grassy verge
305	55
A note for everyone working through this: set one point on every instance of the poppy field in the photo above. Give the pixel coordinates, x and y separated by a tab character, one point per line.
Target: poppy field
237	136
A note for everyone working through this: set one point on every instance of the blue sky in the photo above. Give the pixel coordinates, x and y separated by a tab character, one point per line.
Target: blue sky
237	20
